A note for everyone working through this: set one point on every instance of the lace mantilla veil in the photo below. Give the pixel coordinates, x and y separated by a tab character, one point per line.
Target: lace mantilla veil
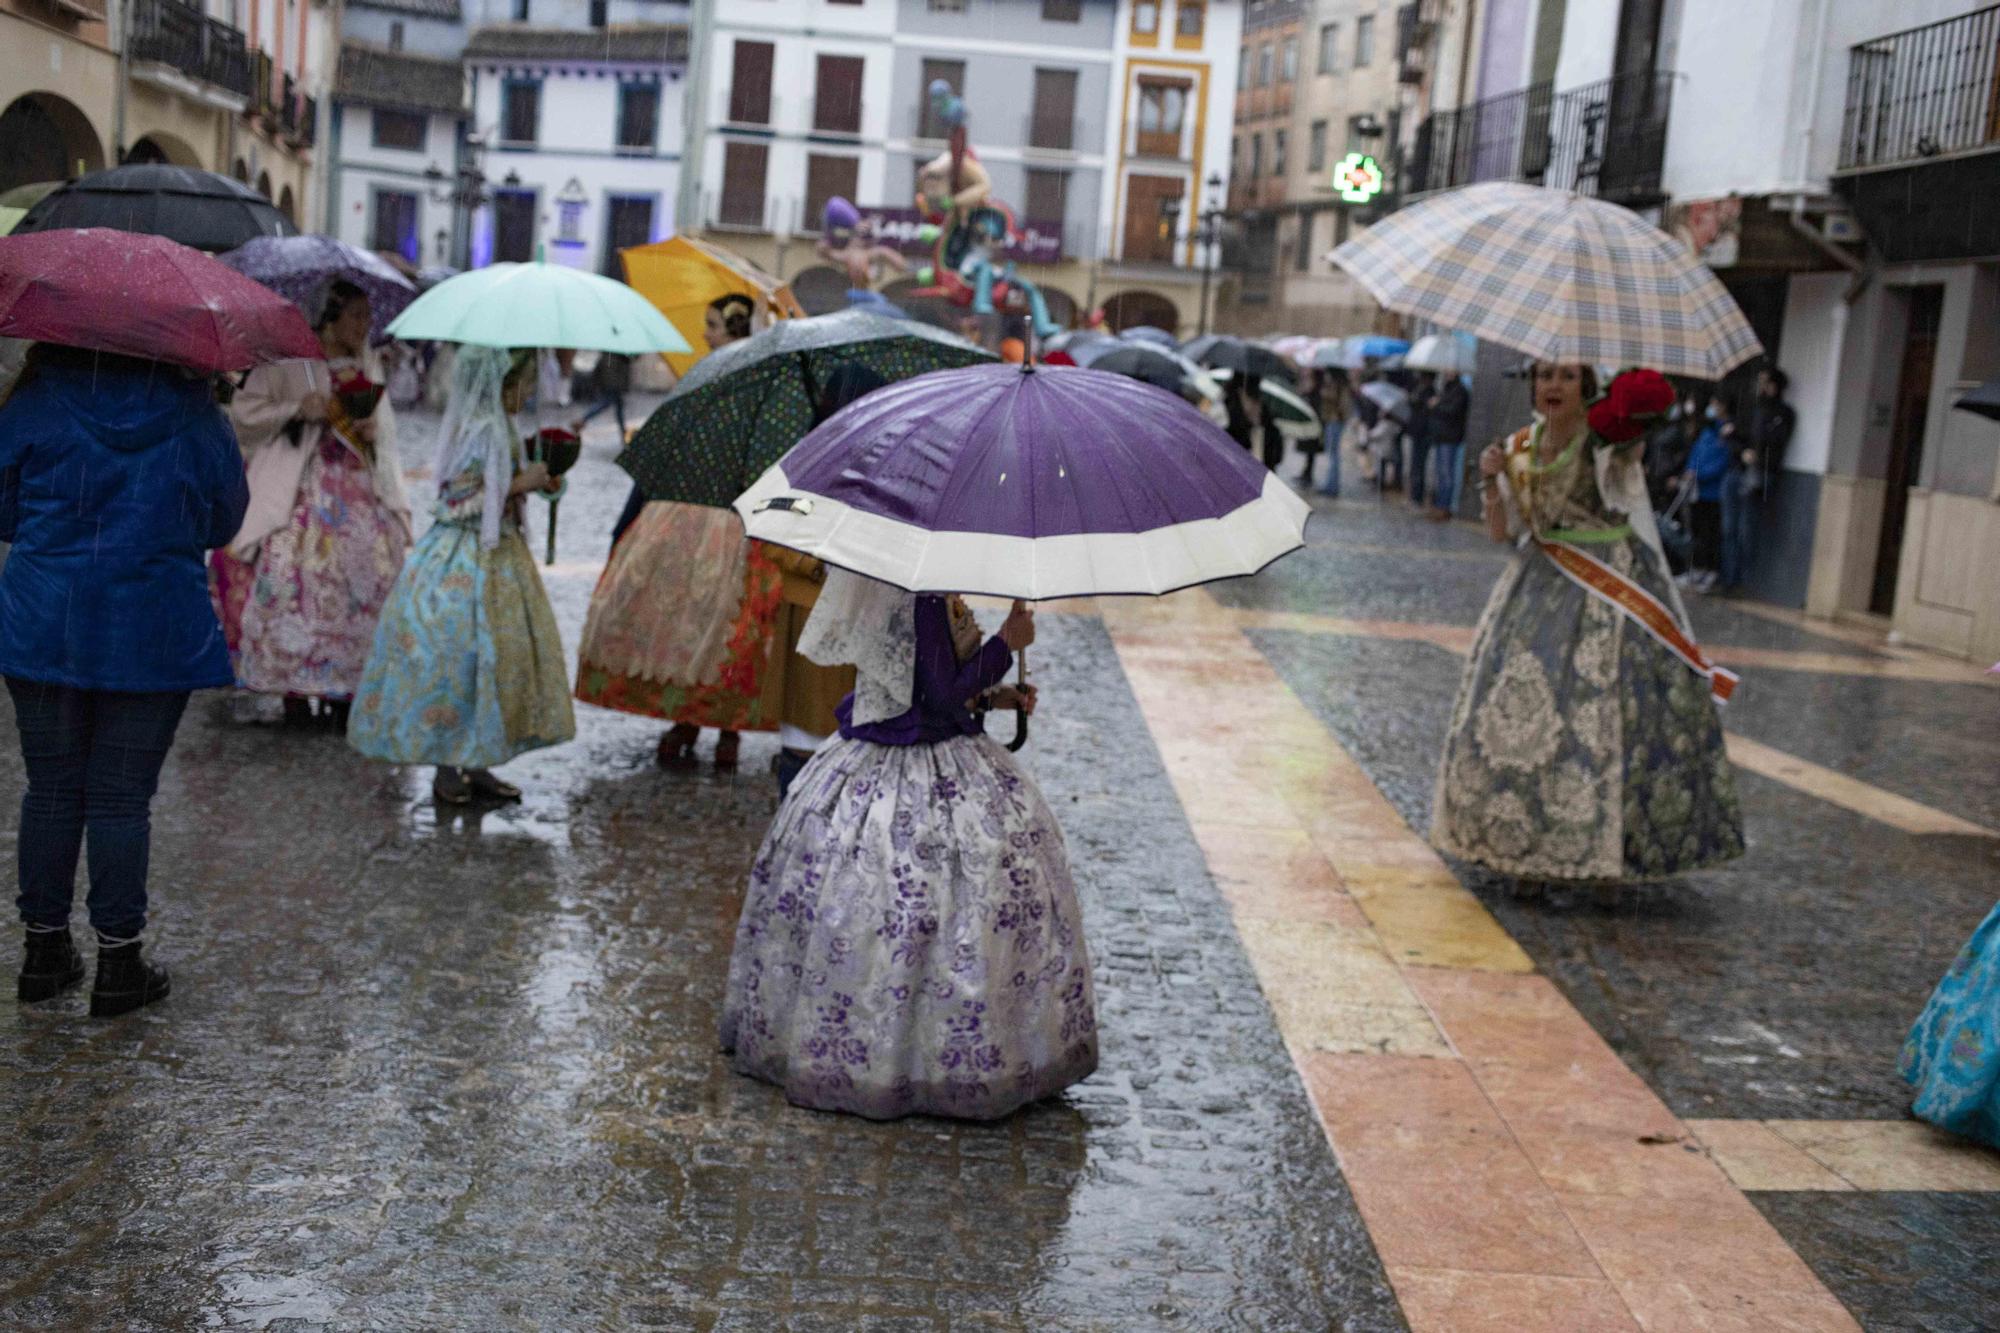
873	627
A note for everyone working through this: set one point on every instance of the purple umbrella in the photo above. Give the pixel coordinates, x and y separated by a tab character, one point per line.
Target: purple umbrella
1026	483
298	267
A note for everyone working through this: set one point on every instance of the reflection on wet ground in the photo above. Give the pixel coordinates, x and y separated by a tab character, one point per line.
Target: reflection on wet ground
428	1068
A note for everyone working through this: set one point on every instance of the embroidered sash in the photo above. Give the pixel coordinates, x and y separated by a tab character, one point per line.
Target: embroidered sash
1642	608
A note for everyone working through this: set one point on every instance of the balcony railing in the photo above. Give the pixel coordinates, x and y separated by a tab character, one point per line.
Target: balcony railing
1924	92
182	36
1607	139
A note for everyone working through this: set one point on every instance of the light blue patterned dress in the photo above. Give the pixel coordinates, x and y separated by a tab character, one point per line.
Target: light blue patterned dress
1952	1054
467	668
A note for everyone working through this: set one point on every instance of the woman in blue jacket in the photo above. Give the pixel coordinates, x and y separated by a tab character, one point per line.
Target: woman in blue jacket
116	477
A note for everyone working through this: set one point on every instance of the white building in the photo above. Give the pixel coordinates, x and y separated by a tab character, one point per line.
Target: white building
398	122
582	133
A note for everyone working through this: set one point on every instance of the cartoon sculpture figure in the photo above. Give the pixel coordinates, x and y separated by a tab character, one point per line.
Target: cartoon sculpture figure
954	196
847	240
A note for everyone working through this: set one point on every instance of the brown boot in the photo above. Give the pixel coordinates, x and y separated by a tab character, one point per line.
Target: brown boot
728	749
676	749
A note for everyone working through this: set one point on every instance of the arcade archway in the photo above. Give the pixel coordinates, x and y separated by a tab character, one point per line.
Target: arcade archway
44	137
163	149
1129	310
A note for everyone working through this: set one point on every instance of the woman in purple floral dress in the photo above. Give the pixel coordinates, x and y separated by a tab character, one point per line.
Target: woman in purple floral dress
911	941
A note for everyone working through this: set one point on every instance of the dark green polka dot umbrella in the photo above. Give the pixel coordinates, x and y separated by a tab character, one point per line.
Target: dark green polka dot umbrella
738	410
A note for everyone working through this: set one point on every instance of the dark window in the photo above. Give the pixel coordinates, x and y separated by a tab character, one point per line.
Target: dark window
628	222
750	84
1278	142
1048	196
396	36
837	95
1162	111
514	225
1364	41
946	6
1242	67
520	11
1302	256
1316	147
1329	48
597	14
399	129
1256	156
828	175
1062	11
396	223
1288	65
1053	124
1191	18
638	115
520	112
953	73
743	167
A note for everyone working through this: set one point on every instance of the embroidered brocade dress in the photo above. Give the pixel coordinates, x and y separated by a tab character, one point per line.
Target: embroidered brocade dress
1952	1055
681	620
300	616
911	941
1581	749
467	668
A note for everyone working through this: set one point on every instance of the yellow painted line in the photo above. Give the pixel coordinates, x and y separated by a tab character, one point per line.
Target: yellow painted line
1898	812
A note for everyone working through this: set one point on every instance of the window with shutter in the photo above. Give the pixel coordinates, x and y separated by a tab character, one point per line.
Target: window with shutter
1054	122
520	111
837	95
1047	198
750	84
743	167
827	175
629	222
513	226
1162	112
638	116
405	130
1062	11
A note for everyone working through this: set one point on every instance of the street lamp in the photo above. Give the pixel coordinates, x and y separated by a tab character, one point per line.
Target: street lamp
1206	236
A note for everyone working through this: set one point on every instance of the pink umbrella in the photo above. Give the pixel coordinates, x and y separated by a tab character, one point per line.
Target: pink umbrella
144	296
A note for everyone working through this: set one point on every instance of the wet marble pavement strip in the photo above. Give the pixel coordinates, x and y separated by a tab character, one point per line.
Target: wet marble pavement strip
427	1069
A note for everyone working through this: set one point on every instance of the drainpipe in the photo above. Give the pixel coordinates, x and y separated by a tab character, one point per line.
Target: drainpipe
121	31
694	116
1465	47
1862	269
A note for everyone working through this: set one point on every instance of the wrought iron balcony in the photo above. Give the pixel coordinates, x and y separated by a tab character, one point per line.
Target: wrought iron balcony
1923	93
182	36
1607	139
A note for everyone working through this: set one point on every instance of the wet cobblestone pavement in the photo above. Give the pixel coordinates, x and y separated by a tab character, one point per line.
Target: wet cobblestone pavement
432	1070
424	1071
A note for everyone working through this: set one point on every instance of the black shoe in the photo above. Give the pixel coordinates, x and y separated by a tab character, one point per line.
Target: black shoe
298	712
51	966
333	714
125	981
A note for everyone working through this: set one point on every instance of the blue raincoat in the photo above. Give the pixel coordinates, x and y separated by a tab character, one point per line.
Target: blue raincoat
115	477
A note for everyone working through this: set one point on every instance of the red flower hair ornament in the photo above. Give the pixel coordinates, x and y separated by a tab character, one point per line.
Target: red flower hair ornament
1634	400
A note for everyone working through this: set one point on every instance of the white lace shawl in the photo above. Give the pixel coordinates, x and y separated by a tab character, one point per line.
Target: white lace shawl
873	627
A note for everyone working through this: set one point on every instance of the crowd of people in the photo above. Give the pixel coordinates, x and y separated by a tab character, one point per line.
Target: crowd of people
910	941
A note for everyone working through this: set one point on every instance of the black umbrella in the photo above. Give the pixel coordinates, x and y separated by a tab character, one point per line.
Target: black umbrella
1144	363
1985	400
196	208
1226	352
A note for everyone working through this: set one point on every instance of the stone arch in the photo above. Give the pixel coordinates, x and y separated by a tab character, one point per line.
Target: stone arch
288	206
1130	309
44	137
240	172
162	148
264	184
1063	308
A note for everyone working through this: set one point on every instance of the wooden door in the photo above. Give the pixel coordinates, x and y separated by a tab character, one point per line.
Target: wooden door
1906	441
1148	235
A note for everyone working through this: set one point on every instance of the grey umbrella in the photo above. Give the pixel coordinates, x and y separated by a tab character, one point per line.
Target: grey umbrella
1985	400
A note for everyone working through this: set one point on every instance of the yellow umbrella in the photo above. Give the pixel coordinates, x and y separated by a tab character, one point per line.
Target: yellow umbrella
682	275
10	216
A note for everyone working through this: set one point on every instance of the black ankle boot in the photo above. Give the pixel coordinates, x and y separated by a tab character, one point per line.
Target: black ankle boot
125	981
51	966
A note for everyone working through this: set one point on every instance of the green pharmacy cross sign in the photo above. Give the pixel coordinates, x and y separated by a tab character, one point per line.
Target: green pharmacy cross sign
1358	178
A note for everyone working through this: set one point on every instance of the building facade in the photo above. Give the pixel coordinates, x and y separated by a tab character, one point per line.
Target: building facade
235	89
399	139
1324	86
1839	194
1088	115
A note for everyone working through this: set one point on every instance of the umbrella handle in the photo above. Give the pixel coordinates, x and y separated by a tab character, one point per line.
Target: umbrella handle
1021	716
550	557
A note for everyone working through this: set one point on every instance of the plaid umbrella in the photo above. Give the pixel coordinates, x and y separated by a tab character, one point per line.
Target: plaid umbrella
738	410
1553	274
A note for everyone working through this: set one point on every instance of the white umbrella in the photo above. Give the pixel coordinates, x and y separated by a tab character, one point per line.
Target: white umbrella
1440	352
1395	404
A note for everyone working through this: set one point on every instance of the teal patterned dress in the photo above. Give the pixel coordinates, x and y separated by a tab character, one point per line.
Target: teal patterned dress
1580	748
467	668
1952	1055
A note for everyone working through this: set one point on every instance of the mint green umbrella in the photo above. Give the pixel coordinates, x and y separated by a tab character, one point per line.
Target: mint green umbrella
538	305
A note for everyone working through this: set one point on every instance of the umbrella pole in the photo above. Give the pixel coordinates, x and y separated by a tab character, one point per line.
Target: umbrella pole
550	557
1021	717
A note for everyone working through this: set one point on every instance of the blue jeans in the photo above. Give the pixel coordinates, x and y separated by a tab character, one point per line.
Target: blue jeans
1413	478
1739	528
93	759
1449	462
1329	436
